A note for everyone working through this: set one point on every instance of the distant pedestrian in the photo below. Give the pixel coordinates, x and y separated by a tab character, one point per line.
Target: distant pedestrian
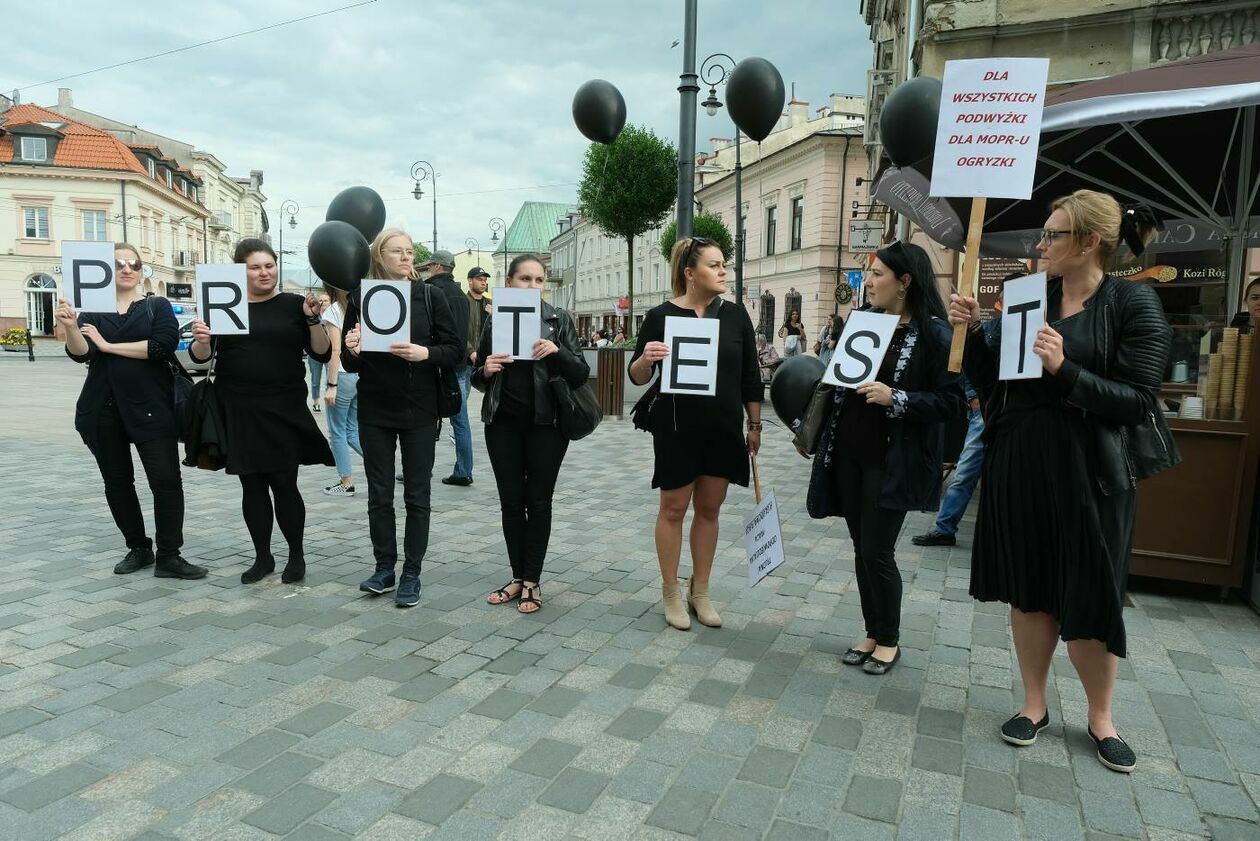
793	335
601	338
620	337
479	309
443	282
342	399
126	402
767	358
522	436
829	338
316	367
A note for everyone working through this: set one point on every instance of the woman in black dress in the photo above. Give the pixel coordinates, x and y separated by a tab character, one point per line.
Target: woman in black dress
526	446
697	441
1055	526
260	380
127	400
879	455
793	335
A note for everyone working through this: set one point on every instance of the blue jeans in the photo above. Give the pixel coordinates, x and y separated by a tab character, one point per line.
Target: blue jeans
343	422
966	474
317	377
462	430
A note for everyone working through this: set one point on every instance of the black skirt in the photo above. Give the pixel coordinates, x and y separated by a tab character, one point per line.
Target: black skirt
270	431
1047	540
681	457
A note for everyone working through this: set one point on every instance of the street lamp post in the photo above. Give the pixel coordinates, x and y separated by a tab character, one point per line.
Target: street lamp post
687	90
421	170
473	245
497	224
717	62
288	207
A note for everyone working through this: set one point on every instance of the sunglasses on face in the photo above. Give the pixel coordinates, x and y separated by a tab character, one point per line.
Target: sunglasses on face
133	265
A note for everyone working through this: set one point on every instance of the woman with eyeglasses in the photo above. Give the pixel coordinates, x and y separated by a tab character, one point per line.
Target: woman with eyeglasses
126	401
1055	524
697	440
793	335
260	380
879	455
398	408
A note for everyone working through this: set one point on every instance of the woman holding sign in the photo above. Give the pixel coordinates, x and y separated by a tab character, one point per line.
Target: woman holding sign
398	408
522	436
127	401
879	454
697	440
260	379
1055	526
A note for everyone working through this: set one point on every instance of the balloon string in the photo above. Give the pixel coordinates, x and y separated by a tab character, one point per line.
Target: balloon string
600	186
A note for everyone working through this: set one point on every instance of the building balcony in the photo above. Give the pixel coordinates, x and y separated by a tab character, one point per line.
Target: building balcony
220	220
1176	36
184	261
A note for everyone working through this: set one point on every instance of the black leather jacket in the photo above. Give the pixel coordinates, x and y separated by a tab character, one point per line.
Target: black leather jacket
568	363
1133	341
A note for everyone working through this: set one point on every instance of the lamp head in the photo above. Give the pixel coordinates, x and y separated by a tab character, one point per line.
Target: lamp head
417	192
712	104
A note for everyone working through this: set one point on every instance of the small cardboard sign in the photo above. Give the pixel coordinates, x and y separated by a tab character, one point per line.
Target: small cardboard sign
1023	314
691	367
763	541
385	314
989	128
221	298
87	269
861	349
516	323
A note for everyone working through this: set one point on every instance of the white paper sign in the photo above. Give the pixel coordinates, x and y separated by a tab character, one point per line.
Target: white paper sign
1023	314
87	270
990	127
762	540
691	367
516	322
861	349
221	298
384	314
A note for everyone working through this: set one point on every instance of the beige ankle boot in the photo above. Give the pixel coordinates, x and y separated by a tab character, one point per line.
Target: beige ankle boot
675	610
698	599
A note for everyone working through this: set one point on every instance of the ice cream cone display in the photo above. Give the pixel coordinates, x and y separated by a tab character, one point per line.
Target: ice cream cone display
1240	382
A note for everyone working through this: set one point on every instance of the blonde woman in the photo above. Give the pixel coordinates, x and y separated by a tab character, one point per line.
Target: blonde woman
398	407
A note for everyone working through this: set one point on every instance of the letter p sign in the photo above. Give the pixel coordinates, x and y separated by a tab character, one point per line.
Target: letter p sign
88	270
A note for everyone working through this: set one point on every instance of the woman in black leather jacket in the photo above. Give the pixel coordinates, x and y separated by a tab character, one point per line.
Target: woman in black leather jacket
525	445
1065	451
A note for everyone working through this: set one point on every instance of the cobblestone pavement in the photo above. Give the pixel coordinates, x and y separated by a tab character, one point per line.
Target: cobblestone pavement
134	707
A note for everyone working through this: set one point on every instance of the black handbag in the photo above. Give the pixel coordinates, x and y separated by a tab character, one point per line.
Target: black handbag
181	387
577	409
810	427
450	399
205	436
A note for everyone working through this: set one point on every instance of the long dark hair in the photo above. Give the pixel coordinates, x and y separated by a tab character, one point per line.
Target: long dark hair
923	301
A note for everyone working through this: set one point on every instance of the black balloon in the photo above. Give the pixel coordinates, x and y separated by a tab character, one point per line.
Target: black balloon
755	97
907	122
361	207
599	111
339	254
792	386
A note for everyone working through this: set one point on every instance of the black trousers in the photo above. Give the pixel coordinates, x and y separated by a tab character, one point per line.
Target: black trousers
160	460
417	467
874	532
526	459
257	492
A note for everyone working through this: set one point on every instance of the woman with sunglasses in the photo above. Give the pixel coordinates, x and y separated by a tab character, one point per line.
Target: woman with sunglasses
261	383
698	442
126	401
879	455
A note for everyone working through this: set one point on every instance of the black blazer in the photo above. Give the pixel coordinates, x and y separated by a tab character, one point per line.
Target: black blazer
445	285
141	388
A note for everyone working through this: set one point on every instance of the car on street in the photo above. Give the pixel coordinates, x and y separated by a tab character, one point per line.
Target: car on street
181	349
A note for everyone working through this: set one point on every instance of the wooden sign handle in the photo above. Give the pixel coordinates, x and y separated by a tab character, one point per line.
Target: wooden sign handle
756	479
967	283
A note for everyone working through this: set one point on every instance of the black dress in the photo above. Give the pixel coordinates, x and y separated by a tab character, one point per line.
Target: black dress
703	436
1047	539
261	383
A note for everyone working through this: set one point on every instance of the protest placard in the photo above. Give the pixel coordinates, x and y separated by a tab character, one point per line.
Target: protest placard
1023	314
763	541
516	323
386	314
221	298
87	269
691	367
861	348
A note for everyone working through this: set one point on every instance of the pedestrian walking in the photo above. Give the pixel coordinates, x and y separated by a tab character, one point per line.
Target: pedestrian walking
316	367
443	282
1055	523
793	335
522	434
879	455
479	309
260	382
698	446
830	338
398	407
341	397
126	402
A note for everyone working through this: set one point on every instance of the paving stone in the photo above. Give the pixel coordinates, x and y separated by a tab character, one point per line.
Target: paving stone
636	724
874	798
137	696
989	789
1228	801
423	688
942	724
256	750
438	799
976	823
938	755
314	719
769	766
1052	782
503	704
634	676
283	813
574	790
546	758
52	786
278	774
683	810
838	732
782	830
713	693
558	701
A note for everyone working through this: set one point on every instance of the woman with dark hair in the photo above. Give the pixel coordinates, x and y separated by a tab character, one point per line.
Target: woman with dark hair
398	409
829	338
127	401
879	455
525	444
260	380
793	335
1249	316
697	441
1057	498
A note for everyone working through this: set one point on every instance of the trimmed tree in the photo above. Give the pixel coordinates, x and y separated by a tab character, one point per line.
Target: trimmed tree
627	189
707	225
423	254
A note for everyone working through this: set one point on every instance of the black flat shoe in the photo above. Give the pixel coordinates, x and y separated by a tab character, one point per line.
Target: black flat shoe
875	666
853	657
1022	731
1114	753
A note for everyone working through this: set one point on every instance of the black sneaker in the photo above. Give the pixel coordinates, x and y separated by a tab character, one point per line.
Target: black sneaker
177	567
462	481
136	559
408	594
934	538
1114	753
382	581
1022	731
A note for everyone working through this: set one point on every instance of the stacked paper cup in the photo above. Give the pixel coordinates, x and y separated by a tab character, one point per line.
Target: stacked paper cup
1192	407
1213	395
1228	352
1244	369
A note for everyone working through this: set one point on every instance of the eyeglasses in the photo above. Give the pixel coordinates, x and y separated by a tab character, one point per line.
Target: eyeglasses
1048	235
132	265
400	252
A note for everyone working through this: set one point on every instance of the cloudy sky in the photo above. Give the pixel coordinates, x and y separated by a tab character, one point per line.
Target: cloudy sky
480	88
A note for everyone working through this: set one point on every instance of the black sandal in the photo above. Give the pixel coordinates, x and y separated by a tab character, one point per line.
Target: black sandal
504	595
529	600
855	657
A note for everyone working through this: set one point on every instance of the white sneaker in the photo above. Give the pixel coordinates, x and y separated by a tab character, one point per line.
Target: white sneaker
339	490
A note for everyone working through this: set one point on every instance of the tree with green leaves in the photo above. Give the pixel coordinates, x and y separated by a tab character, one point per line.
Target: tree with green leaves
628	188
707	225
423	254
